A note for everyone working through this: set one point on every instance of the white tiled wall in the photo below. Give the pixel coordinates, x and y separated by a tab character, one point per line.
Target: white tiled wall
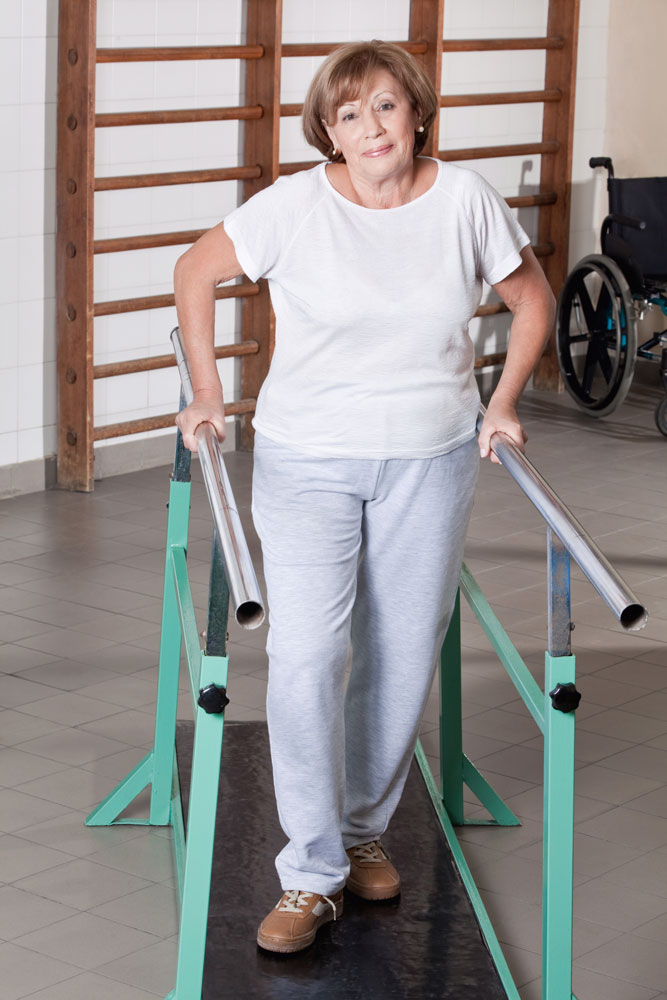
27	164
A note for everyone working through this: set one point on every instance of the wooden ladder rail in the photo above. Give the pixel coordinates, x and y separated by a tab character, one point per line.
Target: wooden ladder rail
75	244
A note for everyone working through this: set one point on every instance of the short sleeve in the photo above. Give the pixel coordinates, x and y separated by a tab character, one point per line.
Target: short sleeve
499	236
260	227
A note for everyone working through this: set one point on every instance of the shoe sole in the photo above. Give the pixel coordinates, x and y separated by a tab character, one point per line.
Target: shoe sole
289	947
364	892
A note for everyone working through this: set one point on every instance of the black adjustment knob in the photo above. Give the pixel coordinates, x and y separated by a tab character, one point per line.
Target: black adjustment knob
213	699
565	697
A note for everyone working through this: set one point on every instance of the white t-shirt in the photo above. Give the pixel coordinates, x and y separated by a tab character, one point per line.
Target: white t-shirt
373	358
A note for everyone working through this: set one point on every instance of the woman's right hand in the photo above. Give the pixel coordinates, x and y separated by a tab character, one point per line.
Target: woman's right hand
207	406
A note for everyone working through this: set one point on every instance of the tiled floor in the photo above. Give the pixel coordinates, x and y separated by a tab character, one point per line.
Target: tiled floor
90	914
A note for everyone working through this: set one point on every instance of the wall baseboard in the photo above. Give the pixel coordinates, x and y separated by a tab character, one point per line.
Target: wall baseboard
28	477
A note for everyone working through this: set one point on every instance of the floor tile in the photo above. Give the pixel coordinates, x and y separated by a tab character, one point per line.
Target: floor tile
624	826
630	958
22	912
647	873
90	986
70	709
149	857
616	906
615	786
72	746
154	910
17	766
22	971
20	858
593	986
81	884
18	810
86	940
73	787
152	968
69	833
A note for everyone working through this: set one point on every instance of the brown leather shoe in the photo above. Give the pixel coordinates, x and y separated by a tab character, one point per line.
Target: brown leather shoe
372	875
295	919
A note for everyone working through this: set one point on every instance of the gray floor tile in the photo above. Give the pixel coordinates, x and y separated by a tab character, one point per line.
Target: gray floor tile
17	693
22	971
70	709
18	810
616	906
154	910
82	884
645	761
16	727
73	787
68	832
22	912
72	746
647	873
66	675
64	642
593	986
149	857
19	858
15	658
630	958
86	940
90	985
614	786
624	826
18	766
152	969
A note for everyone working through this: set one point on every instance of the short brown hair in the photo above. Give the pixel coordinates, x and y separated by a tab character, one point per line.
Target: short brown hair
343	76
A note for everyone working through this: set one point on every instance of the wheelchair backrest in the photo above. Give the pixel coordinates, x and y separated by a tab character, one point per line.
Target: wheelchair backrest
642	198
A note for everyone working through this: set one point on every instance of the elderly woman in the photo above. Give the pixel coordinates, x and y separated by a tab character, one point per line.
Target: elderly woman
365	453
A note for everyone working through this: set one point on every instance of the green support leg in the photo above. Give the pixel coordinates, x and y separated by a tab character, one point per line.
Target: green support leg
202	807
558	844
170	656
451	729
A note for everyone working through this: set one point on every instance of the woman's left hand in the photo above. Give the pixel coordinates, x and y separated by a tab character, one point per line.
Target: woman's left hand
500	416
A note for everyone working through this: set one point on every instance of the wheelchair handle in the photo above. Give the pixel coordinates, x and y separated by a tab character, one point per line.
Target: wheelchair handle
625	220
602	161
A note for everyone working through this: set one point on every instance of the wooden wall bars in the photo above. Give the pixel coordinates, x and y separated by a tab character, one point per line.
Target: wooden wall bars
262	54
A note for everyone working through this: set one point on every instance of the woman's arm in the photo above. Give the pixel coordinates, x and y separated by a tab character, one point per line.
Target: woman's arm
527	294
209	262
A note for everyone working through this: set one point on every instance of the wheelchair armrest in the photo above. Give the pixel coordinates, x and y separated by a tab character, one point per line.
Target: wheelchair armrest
619	220
625	220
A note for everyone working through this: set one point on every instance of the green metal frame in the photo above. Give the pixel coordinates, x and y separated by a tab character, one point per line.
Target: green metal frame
456	770
193	850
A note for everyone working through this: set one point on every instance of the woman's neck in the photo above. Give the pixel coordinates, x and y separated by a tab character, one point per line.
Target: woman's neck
388	192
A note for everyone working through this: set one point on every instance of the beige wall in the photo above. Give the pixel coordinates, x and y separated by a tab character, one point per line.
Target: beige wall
635	129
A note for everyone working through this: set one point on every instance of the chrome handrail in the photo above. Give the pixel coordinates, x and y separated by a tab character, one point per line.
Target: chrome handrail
609	584
246	595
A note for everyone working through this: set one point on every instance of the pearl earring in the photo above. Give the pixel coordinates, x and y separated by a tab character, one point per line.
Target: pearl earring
334	151
421	128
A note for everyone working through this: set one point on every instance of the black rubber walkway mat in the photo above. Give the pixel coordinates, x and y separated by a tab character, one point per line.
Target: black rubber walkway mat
424	946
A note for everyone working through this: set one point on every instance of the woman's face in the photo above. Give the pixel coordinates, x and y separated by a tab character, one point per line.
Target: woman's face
376	133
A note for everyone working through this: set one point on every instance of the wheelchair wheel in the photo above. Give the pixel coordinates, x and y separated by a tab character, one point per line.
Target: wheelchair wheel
596	334
661	416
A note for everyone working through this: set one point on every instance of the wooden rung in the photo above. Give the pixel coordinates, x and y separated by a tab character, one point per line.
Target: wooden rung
120	243
528	200
485	360
487	152
163	53
117	306
115	368
509	97
324	48
496	44
176	177
143	424
290	110
543	249
244	113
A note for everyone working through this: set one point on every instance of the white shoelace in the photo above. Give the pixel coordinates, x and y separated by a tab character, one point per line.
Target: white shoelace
370	852
293	899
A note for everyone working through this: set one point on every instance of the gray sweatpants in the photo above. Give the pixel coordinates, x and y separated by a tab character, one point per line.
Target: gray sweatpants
361	550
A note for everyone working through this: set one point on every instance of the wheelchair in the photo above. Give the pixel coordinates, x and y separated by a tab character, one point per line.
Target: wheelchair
605	294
